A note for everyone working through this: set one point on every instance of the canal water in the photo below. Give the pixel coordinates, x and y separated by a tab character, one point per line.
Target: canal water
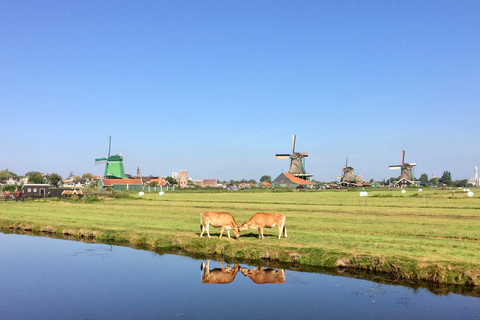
44	278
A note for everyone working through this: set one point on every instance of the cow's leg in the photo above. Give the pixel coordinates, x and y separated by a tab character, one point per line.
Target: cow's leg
260	232
208	230
221	231
202	226
228	232
285	231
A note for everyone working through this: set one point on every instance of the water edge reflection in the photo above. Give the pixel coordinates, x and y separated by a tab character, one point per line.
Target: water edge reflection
226	274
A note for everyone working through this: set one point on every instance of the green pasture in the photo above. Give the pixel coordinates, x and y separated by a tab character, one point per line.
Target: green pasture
431	235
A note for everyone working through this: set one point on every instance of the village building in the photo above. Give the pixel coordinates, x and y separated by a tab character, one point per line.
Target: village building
212	183
160	182
288	180
36	190
121	184
71	192
264	184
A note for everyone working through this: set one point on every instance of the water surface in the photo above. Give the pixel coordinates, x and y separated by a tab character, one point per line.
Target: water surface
43	278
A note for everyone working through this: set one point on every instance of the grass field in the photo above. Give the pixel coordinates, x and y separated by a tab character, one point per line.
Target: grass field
431	235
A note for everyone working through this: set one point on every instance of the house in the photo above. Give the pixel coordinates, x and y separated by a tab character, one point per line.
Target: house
288	180
210	183
160	182
121	184
36	190
71	192
264	184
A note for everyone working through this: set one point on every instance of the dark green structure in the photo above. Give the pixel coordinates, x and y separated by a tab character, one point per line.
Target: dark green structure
114	165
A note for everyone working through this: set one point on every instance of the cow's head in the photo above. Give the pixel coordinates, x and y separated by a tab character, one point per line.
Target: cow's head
237	232
244	226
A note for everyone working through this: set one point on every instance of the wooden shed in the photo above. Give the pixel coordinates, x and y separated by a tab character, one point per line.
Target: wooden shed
36	190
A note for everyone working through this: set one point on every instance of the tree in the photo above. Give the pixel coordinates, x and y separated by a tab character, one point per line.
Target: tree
461	183
87	176
434	181
35	177
266	179
171	180
54	179
5	175
424	177
446	178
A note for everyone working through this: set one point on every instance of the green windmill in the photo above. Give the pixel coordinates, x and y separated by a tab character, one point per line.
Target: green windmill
114	165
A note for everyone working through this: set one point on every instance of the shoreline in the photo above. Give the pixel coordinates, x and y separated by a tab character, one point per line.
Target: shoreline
395	236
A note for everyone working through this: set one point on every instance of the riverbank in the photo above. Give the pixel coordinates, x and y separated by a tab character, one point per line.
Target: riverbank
428	236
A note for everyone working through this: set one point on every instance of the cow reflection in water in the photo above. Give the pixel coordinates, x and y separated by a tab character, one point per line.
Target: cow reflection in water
218	275
261	276
227	274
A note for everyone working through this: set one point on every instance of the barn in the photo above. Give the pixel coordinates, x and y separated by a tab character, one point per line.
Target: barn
288	180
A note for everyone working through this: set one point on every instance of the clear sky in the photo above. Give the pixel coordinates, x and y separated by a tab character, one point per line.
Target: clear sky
219	87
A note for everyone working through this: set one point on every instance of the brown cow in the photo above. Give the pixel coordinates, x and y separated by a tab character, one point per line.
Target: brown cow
218	219
266	220
261	276
216	275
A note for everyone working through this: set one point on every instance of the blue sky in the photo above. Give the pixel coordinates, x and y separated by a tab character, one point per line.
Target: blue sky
219	87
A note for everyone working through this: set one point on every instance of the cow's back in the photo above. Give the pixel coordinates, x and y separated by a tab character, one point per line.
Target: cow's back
267	219
218	219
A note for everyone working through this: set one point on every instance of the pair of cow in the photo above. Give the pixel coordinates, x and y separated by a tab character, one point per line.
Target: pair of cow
227	274
225	221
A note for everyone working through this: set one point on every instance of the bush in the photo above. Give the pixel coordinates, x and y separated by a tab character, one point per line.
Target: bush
10	188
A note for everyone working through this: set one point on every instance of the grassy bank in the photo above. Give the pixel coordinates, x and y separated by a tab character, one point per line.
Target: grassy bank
429	235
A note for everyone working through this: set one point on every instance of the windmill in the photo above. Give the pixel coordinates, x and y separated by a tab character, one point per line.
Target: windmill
349	177
406	175
297	162
114	165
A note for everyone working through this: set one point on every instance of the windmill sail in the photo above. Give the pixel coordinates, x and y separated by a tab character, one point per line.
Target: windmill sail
406	173
297	161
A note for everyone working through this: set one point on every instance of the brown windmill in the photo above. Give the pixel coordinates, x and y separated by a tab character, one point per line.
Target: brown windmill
406	176
297	162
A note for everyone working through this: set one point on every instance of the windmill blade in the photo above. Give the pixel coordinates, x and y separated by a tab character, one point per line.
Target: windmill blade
412	164
305	154
346	163
294	138
395	167
109	145
282	156
403	156
100	159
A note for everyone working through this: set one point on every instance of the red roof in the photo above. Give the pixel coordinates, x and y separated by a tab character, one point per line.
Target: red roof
160	181
266	183
111	182
298	181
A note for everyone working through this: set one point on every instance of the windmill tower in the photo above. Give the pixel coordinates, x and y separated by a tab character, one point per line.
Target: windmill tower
406	175
114	165
349	177
297	162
